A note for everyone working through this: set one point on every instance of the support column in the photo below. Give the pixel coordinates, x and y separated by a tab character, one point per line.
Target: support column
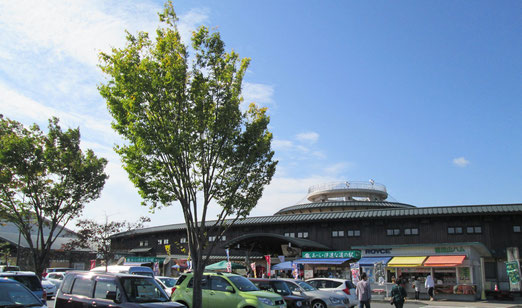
483	279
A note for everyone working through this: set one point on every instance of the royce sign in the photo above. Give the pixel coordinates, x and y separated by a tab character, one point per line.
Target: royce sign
345	254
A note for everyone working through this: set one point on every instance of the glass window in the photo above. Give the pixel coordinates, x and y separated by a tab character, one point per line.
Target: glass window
243	284
166	241
289	234
82	286
356	232
183	240
104	286
478	229
223	238
516	229
396	231
407	231
458	230
469	230
415	231
143	290
280	288
219	284
211	238
451	230
160	242
338	233
389	231
67	283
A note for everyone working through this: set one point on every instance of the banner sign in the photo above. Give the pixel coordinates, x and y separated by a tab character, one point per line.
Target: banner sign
144	259
513	273
353	254
267	258
253	267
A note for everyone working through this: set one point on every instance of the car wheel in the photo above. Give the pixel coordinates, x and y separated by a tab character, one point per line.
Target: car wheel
318	304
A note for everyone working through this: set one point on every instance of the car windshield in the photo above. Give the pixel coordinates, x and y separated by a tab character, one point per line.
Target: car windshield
169	282
30	282
15	295
143	290
243	284
281	288
305	286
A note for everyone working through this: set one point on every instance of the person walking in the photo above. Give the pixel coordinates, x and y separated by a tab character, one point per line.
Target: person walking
416	286
429	284
398	294
363	291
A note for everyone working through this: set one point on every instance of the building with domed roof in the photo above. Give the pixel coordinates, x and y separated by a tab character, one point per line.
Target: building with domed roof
348	227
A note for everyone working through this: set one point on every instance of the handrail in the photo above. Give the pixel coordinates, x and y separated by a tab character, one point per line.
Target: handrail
347	185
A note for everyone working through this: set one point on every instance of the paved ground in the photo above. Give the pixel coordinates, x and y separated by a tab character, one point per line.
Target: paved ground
448	304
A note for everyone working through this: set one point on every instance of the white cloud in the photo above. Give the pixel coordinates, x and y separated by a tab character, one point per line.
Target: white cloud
258	93
309	137
338	168
461	162
191	21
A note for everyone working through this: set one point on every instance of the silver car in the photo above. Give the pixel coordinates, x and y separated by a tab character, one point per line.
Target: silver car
49	288
318	298
341	286
55	278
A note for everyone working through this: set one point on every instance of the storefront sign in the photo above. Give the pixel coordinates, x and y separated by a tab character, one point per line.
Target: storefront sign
353	254
380	251
144	259
449	249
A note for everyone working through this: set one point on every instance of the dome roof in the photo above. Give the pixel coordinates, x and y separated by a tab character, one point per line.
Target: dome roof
341	206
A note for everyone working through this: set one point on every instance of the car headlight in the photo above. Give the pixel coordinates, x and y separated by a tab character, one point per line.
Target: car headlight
265	301
299	303
336	300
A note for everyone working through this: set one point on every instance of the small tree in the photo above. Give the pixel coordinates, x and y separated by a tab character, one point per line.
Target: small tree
187	139
97	236
45	181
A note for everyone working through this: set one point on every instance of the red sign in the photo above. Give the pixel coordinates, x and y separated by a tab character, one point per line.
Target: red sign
93	264
267	258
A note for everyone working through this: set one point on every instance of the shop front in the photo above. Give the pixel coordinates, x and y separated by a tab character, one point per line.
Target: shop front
455	268
333	264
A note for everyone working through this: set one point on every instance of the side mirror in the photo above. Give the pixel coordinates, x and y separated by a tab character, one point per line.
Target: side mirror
229	289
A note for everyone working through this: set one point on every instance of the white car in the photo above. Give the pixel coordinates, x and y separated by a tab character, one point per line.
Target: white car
340	286
49	288
55	278
167	283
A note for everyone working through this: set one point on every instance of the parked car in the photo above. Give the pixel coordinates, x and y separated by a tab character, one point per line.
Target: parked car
125	269
9	268
225	290
16	294
167	283
281	288
55	278
341	286
55	270
318	298
103	290
49	288
30	280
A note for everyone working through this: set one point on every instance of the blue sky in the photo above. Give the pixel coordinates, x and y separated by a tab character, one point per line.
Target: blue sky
422	96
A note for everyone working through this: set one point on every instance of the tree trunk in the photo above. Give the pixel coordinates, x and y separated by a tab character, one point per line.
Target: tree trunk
197	296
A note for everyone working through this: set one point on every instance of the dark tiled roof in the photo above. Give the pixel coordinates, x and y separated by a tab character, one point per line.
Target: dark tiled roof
337	204
348	215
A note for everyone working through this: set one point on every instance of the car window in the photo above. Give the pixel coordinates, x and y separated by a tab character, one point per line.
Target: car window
103	286
305	285
330	284
219	284
243	284
293	287
31	282
16	295
169	282
143	290
350	284
316	283
280	288
263	285
181	279
82	286
204	283
67	283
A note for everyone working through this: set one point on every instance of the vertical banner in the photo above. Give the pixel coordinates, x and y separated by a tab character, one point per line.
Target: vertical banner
267	258
281	259
93	264
167	249
295	270
253	267
228	254
513	268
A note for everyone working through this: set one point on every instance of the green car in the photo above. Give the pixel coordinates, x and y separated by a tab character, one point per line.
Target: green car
224	290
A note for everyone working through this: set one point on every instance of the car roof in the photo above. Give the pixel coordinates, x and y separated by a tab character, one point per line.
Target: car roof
106	274
17	273
330	279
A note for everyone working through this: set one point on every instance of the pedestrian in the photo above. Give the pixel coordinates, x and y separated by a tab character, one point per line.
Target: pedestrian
416	287
363	291
398	294
429	284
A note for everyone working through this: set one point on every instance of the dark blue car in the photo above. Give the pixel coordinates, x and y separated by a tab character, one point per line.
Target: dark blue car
15	294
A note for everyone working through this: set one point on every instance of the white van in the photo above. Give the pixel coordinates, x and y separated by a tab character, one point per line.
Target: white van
126	269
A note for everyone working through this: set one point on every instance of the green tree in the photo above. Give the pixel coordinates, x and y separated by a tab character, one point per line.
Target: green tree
45	181
97	236
187	140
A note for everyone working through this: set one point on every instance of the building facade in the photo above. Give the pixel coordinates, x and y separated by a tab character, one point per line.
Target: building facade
464	247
